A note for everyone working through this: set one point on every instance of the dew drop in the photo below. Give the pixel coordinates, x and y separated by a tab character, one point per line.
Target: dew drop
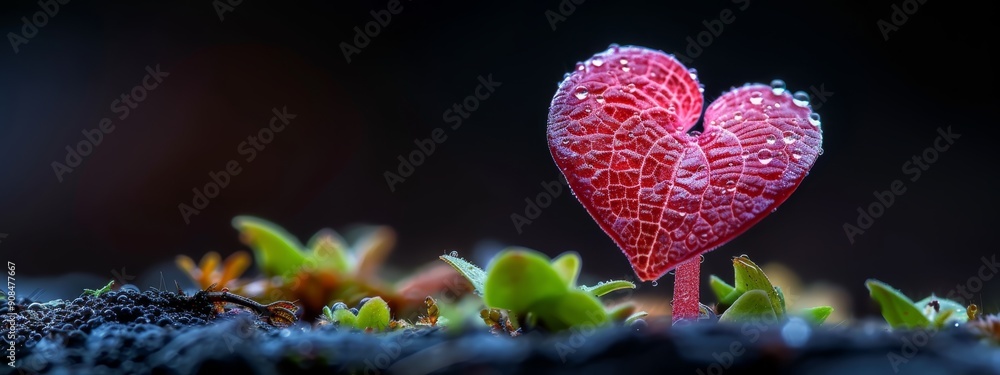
600	99
693	72
587	108
623	61
730	186
695	133
625	68
764	156
613	47
797	153
580	66
771	139
756	98
777	87
701	168
671	109
655	283
683	214
745	154
630	88
565	75
789	137
704	235
800	98
565	141
453	253
777	105
631	135
814	119
597	62
738	116
701	88
581	92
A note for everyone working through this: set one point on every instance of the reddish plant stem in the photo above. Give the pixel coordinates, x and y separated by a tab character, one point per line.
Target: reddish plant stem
686	291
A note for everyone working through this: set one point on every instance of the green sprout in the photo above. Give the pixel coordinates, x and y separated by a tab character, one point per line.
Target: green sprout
533	290
754	297
929	313
98	292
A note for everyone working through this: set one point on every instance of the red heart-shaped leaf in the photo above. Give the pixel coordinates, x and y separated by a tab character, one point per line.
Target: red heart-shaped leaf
618	129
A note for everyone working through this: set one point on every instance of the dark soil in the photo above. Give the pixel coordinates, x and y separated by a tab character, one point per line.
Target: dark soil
163	333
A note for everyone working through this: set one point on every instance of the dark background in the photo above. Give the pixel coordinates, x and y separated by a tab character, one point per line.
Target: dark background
119	207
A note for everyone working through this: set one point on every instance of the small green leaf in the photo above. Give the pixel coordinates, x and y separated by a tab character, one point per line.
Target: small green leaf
750	277
607	287
722	290
97	293
568	266
329	251
519	278
947	311
574	308
278	253
345	319
897	309
816	315
474	274
754	305
374	314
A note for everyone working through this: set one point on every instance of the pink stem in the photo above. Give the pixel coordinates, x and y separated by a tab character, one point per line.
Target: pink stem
686	284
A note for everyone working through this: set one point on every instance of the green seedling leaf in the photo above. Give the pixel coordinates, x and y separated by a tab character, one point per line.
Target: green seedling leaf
754	305
374	314
568	266
942	312
519	278
816	315
897	309
99	292
722	290
329	251
474	274
750	277
607	287
278	253
574	308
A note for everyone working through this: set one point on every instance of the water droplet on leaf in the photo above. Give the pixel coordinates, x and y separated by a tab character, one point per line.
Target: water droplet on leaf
800	98
764	156
777	87
756	98
581	92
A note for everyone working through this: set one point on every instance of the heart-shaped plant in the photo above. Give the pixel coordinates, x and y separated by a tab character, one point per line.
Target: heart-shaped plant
620	129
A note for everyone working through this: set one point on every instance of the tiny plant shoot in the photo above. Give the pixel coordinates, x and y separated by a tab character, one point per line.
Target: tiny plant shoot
620	128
